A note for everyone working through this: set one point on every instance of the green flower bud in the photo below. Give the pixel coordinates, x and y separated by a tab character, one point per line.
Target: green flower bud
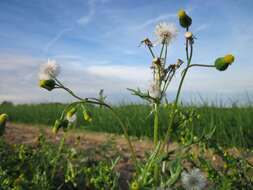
3	120
47	84
184	20
57	126
222	63
60	124
87	116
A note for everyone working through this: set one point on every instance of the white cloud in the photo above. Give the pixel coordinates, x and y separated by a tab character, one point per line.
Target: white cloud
19	81
130	73
19	76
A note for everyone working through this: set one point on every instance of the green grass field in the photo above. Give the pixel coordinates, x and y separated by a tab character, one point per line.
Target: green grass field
233	125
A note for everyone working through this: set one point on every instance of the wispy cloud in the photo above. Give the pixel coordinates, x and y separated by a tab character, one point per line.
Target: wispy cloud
201	27
91	12
154	21
56	38
82	21
92	7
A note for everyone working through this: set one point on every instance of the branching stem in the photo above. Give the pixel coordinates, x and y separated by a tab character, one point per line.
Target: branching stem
98	102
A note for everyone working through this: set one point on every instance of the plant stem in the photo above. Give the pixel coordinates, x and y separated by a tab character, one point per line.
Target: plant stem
200	65
189	58
133	152
151	51
156	125
161	53
98	102
58	155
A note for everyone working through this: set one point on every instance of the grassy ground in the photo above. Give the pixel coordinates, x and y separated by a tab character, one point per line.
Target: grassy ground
233	125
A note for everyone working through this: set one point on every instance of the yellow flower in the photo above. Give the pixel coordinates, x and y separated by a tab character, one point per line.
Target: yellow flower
229	58
181	13
135	186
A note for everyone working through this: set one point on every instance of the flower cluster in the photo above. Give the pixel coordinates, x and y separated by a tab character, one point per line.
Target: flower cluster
162	74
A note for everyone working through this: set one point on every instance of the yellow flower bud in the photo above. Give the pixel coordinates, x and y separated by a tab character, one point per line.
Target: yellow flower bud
87	116
184	20
3	120
181	13
71	112
229	58
47	84
222	63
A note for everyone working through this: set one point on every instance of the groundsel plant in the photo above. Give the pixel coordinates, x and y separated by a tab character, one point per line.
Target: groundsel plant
48	79
160	170
156	95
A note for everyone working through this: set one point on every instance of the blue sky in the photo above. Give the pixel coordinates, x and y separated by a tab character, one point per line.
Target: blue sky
96	44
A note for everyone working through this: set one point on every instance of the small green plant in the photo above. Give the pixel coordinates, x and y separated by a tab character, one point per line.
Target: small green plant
162	76
23	167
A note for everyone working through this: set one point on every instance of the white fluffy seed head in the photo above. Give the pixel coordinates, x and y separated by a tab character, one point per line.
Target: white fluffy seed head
49	70
194	180
165	32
